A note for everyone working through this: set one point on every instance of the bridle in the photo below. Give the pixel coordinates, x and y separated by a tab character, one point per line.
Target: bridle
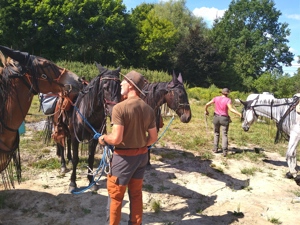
32	75
105	101
248	108
176	98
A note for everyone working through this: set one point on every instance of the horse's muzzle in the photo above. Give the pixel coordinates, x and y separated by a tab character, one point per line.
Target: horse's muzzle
186	117
246	128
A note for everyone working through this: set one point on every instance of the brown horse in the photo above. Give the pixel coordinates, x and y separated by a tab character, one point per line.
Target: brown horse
173	94
22	77
85	117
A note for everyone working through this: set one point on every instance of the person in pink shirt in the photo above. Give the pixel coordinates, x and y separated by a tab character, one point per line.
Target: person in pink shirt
221	119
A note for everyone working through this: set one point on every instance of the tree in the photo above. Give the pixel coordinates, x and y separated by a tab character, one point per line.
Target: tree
198	60
252	40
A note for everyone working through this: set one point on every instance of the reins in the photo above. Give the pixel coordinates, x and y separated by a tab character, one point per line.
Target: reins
162	134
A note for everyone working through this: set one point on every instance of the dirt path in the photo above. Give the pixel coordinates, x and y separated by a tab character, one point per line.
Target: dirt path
189	190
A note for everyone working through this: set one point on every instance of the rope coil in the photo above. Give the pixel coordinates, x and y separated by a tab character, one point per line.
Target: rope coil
104	167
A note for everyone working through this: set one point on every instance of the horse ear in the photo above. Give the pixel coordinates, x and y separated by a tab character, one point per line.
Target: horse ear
244	103
21	57
174	78
100	68
179	78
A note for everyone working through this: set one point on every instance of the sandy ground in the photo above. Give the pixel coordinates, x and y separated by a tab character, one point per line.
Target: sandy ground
189	190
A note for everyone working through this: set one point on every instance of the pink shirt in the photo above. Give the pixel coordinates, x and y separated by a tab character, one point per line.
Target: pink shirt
221	107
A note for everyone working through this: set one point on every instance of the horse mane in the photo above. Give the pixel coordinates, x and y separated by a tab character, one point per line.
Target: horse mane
9	67
92	89
154	96
285	108
88	94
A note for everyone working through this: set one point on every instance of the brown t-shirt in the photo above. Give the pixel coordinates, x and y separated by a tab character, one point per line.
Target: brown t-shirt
137	117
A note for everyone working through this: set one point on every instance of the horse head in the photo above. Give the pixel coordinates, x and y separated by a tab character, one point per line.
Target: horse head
248	114
177	98
43	75
110	85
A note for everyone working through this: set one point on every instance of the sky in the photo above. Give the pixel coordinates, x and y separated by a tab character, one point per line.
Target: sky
209	9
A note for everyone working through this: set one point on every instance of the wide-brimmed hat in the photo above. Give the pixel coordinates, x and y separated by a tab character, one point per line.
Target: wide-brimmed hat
225	91
136	79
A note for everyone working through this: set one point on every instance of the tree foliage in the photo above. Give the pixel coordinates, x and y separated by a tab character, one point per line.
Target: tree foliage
252	39
237	52
198	59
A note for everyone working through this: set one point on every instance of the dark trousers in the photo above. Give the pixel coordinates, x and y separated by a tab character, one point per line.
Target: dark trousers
221	122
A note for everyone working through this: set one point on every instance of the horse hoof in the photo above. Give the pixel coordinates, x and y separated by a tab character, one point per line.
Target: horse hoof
297	180
288	175
63	170
72	187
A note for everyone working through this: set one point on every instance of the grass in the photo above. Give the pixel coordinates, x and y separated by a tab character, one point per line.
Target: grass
156	206
274	220
249	171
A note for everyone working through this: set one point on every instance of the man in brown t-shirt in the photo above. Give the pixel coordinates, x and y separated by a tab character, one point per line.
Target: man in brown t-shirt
133	130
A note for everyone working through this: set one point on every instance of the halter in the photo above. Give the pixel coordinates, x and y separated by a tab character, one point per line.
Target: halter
107	102
176	100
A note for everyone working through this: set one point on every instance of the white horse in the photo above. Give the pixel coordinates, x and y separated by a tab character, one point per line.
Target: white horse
283	112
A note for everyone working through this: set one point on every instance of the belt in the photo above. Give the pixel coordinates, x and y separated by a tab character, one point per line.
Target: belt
215	114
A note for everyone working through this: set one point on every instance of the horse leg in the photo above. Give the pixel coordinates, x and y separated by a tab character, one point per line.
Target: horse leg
75	160
60	152
69	153
91	159
291	154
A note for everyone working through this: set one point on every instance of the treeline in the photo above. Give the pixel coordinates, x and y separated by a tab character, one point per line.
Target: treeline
248	44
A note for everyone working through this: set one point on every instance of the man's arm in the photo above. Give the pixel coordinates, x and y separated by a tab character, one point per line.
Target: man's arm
115	137
152	136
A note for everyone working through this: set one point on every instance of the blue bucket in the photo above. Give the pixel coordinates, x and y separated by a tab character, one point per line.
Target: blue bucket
22	128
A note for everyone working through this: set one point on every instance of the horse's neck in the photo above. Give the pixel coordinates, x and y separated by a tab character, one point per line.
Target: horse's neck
156	94
18	105
274	113
16	108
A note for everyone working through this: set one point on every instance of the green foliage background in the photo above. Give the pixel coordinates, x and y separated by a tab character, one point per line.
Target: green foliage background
165	36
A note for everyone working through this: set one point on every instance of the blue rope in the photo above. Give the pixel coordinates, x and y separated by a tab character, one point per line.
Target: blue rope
96	135
149	147
102	168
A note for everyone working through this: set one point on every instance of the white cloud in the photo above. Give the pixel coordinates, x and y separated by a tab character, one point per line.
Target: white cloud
294	16
209	14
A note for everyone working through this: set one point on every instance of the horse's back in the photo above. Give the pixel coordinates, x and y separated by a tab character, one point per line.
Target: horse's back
263	96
